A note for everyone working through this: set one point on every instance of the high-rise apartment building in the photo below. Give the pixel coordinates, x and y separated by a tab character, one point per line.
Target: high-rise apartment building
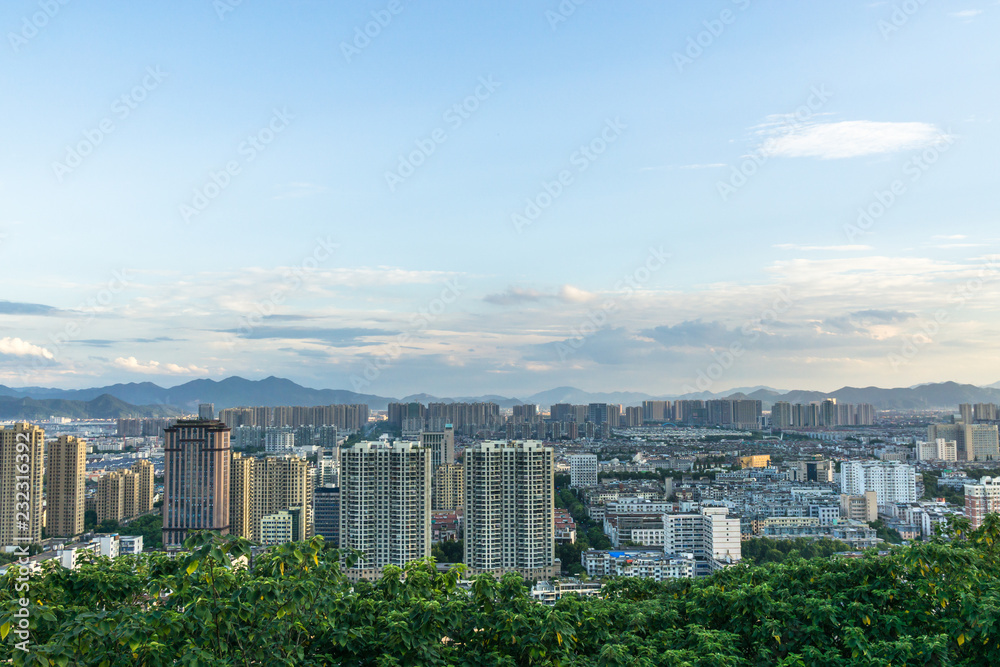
326	514
893	482
982	499
279	440
781	415
525	414
22	459
65	480
982	442
448	488
633	417
196	479
509	509
145	486
966	414
604	413
656	411
582	470
279	483
111	496
263	486
441	445
986	411
206	411
385	504
241	495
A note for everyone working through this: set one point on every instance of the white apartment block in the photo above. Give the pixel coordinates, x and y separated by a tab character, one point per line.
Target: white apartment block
711	536
131	545
279	441
892	482
385	504
510	509
938	449
441	445
639	506
982	499
582	470
654	565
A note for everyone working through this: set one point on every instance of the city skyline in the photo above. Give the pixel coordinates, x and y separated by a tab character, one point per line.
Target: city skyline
584	197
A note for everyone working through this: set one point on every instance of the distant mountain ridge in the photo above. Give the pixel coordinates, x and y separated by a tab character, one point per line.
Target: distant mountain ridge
104	406
272	391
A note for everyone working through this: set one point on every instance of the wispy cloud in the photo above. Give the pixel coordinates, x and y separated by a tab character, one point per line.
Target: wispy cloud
966	14
17	308
133	365
847	139
516	295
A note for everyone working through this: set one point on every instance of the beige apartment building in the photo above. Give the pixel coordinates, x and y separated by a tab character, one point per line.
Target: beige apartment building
22	461
65	486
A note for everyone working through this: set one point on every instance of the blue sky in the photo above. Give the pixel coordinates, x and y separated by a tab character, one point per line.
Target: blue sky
513	258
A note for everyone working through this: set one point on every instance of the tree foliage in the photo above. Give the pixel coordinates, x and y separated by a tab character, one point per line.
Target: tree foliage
766	550
930	603
449	551
589	533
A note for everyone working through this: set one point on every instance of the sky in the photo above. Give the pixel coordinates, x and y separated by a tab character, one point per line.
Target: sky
395	197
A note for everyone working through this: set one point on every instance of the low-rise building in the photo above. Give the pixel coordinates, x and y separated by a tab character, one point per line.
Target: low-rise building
551	591
643	564
565	527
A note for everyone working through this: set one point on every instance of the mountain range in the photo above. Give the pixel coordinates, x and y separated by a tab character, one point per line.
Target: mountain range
148	399
104	406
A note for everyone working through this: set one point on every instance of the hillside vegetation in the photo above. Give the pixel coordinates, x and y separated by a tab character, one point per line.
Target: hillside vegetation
935	603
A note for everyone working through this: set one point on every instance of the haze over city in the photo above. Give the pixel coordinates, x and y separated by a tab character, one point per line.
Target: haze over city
500	199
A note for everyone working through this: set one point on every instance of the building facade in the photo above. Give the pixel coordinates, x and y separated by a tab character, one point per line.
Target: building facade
892	482
385	504
22	459
326	514
982	499
448	488
196	479
510	509
582	470
65	486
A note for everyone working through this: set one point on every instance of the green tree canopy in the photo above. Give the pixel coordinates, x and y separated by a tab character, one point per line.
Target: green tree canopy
930	603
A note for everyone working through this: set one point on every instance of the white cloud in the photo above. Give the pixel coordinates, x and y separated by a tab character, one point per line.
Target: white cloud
574	294
950	237
21	348
830	248
156	368
846	139
966	14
